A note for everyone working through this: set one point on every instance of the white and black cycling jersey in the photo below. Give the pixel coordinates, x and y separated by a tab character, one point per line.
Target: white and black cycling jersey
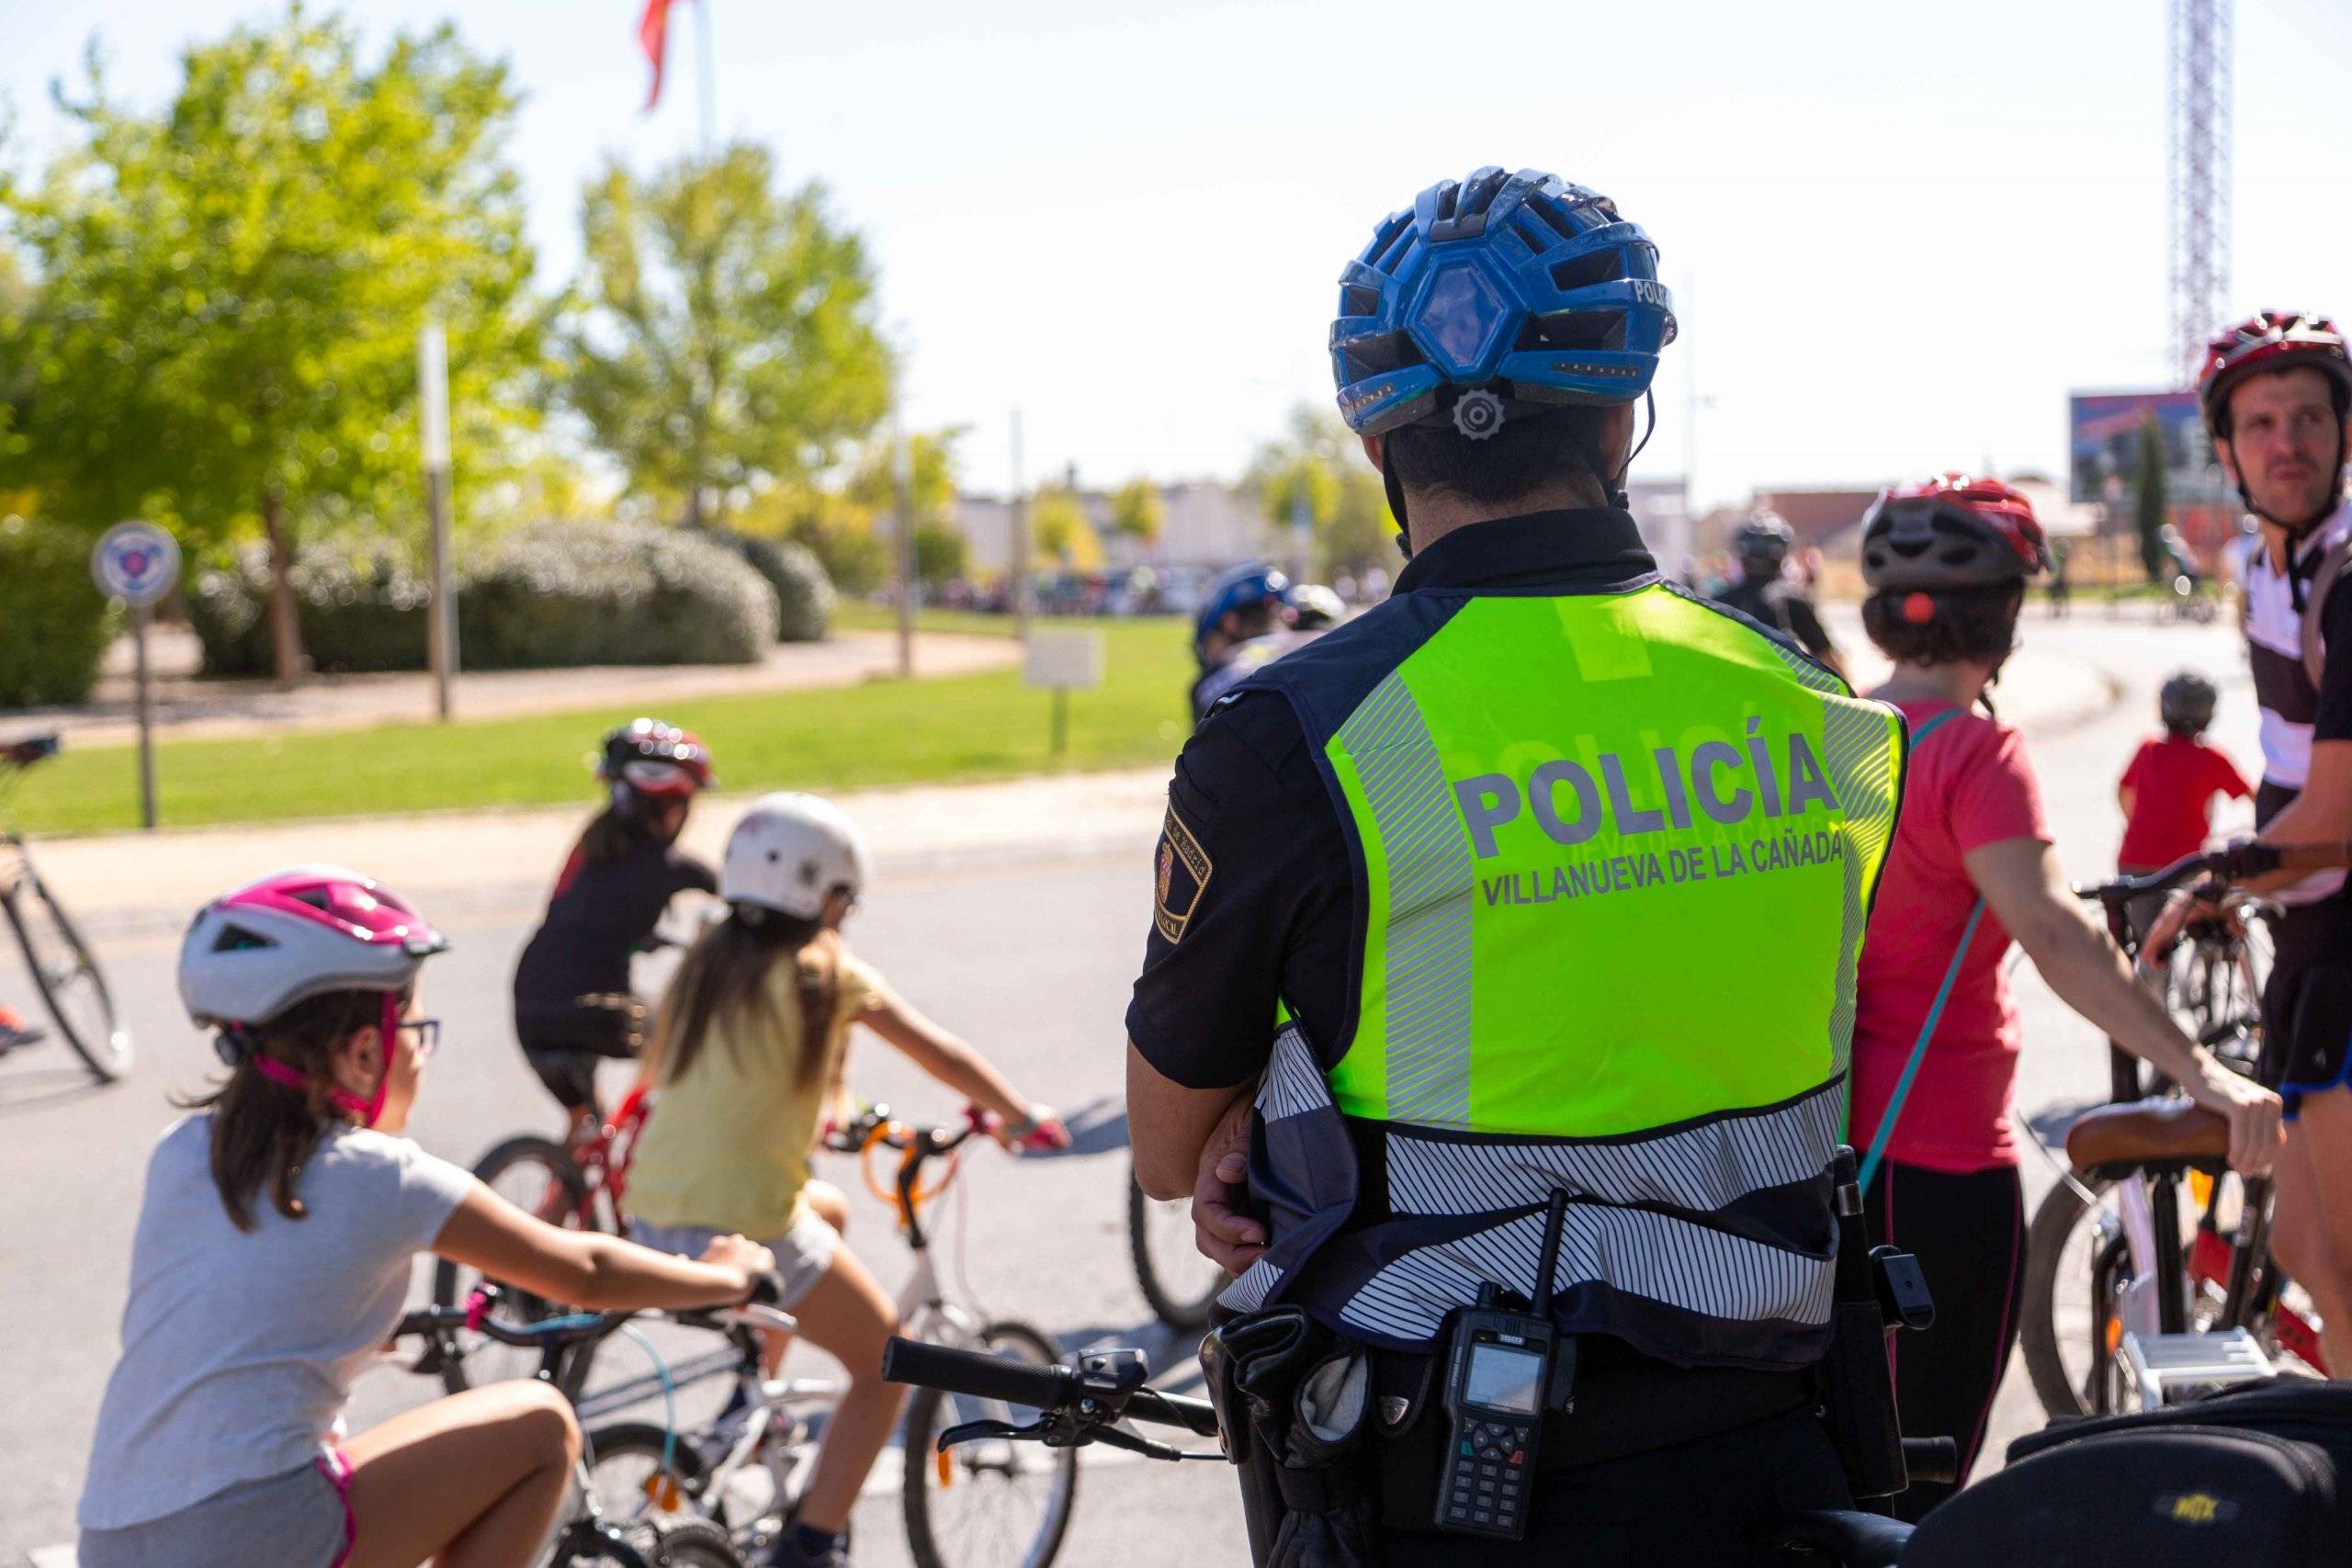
2289	699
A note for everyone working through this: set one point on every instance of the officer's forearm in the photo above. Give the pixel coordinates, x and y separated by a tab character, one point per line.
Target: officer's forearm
1169	1123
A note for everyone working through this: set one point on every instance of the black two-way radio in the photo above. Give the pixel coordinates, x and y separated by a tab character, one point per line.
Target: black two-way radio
1503	1369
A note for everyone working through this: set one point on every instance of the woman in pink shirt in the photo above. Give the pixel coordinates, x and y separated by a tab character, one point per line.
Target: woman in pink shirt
1972	868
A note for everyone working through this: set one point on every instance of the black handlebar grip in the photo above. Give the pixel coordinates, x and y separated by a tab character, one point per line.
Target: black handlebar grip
975	1373
768	1290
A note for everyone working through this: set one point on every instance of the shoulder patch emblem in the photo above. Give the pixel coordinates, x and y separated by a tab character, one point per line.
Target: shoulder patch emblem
1184	871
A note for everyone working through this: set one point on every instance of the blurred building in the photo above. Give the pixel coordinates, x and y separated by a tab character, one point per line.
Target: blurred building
1662	508
1207	524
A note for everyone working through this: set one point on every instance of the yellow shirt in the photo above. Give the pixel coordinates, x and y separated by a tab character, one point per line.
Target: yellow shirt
727	1145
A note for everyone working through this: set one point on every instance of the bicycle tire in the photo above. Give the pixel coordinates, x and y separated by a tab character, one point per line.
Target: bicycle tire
452	1284
695	1543
1185	1311
2053	1224
646	1441
99	1039
925	1421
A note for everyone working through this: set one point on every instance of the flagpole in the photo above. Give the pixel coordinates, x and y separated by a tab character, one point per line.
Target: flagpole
702	41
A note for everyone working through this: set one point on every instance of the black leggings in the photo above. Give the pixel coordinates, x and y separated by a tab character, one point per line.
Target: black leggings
1968	1233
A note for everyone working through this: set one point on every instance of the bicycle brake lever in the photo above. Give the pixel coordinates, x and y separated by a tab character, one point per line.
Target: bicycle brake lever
972	1431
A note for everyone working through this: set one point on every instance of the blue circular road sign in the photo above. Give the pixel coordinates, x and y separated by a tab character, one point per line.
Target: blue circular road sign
136	562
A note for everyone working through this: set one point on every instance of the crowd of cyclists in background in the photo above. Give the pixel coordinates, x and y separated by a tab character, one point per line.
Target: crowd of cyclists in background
280	1217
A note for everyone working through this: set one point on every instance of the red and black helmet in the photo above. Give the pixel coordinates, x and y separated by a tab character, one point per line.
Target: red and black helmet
649	759
2273	340
1952	531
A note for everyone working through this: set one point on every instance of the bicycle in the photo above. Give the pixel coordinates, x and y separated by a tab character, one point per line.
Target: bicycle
1180	1284
2130	1273
746	1470
1086	1400
63	969
586	1539
579	1183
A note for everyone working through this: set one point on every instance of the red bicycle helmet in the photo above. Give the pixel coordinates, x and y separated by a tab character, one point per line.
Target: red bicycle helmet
648	758
1952	531
2273	340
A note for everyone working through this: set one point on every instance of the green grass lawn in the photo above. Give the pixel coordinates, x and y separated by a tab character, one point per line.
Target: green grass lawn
885	732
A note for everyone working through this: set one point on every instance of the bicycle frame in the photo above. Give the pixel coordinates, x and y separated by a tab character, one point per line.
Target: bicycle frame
924	1311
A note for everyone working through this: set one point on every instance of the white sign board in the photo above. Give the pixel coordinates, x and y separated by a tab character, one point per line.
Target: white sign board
136	562
1064	660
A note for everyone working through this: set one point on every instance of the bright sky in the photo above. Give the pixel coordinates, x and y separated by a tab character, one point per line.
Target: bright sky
1900	233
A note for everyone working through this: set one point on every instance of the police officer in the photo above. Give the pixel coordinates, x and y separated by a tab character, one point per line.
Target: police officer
1764	593
1542	877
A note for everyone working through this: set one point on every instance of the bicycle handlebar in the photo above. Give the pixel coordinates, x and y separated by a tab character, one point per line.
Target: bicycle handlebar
476	1317
1056	1390
24	753
2238	863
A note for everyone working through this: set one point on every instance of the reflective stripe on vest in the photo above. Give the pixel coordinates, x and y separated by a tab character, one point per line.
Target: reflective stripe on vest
1617	852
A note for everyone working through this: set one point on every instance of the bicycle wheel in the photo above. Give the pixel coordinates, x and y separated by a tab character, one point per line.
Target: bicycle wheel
2068	1328
991	1503
1180	1284
68	978
680	1543
637	1473
538	1176
696	1543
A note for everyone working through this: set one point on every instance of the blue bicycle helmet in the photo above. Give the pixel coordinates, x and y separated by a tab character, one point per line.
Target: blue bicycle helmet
1236	588
1496	295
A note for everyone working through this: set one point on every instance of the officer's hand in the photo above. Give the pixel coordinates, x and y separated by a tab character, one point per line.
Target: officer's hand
1222	1229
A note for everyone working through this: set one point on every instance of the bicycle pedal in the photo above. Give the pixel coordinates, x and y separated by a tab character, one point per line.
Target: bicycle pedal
2174	1369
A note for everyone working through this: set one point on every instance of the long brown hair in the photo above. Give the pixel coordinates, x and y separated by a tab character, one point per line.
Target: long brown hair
724	979
263	1132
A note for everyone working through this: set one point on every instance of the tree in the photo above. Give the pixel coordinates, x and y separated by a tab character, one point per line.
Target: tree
941	554
2148	498
1319	466
228	292
1138	513
1062	533
722	340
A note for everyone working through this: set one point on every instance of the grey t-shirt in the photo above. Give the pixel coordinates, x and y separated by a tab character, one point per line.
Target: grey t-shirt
239	1346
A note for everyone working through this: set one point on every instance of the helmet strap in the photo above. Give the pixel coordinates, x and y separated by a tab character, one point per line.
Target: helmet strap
1396	489
365	1111
1616	486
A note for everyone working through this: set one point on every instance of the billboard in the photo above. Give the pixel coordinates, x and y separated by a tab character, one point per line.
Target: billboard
2103	445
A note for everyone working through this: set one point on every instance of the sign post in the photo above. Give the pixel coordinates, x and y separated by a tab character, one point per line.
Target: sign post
1063	661
432	420
901	488
138	563
1017	568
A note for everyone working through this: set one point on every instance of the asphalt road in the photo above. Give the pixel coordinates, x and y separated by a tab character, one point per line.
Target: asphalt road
1030	962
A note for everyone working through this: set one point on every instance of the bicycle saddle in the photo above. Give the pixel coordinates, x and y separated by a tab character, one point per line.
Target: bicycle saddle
2152	1132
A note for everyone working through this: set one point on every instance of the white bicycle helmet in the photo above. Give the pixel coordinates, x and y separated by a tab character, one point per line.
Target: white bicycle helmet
789	853
295	934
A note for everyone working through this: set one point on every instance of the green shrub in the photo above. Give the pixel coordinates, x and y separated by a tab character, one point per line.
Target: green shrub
571	593
360	607
54	622
550	595
804	595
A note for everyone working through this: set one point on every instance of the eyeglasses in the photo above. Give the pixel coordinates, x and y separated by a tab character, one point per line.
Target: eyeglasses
428	1033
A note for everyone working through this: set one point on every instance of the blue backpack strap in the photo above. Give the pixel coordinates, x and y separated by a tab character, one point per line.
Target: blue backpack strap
1935	1009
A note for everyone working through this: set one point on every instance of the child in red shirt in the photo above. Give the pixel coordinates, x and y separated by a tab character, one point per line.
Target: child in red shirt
2167	791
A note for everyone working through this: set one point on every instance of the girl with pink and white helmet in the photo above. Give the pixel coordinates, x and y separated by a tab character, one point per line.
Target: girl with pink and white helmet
275	1244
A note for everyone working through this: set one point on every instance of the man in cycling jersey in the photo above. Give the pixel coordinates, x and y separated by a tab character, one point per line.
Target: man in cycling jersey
1764	591
2277	390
